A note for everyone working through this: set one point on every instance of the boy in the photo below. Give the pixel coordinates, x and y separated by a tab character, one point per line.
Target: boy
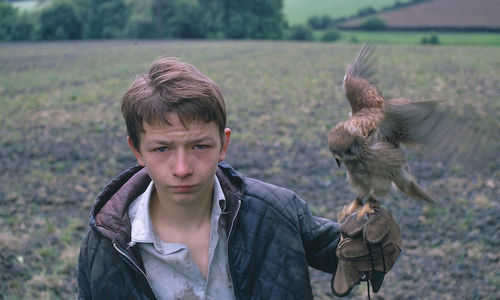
183	224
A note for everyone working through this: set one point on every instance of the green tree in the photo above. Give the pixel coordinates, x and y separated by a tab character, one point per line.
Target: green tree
24	27
213	18
59	21
365	11
432	40
300	32
243	19
140	20
238	19
166	19
102	18
319	23
187	20
13	24
254	19
331	35
374	23
177	18
140	26
112	16
8	19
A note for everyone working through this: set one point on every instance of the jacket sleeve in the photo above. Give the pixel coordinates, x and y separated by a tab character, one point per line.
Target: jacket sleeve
320	237
83	266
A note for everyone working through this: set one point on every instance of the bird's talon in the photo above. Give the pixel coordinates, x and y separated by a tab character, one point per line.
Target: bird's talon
348	210
373	203
367	209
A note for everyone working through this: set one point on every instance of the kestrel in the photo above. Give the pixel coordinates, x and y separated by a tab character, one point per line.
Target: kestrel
368	142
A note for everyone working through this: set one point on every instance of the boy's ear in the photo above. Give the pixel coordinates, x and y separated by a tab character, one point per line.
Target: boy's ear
225	143
136	152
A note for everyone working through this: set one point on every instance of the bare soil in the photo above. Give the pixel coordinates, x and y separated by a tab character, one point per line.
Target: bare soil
444	14
62	142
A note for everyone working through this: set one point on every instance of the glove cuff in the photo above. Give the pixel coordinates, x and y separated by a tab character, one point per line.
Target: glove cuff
344	279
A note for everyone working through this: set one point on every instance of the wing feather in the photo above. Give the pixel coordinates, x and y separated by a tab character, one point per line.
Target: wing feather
436	130
407	121
358	84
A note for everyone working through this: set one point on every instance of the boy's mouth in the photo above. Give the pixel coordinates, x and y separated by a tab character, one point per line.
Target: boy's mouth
182	188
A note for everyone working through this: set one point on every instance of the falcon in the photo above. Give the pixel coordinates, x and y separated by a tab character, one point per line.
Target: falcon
369	142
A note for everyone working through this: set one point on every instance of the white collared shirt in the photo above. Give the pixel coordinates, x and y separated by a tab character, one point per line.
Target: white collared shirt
171	271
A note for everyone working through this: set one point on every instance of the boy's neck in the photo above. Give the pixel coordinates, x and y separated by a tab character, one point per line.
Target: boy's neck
180	217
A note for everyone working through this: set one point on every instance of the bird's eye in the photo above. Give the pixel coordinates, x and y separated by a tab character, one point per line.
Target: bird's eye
349	152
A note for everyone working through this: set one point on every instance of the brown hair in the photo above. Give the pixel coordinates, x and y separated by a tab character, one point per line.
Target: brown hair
172	86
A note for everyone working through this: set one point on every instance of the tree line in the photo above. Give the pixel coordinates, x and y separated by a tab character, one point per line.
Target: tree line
183	19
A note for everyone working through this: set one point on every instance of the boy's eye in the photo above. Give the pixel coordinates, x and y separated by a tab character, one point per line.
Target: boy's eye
200	147
161	149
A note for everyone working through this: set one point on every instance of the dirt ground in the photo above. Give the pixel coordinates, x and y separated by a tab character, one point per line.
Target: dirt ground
442	14
56	156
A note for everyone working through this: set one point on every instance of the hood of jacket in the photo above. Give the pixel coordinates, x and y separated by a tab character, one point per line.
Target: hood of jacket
109	214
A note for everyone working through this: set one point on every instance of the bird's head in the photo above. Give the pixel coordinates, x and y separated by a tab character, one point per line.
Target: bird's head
345	145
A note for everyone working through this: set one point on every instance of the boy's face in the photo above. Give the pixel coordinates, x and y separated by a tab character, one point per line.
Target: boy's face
182	162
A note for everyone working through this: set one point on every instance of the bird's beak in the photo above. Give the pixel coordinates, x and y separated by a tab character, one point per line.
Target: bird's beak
339	162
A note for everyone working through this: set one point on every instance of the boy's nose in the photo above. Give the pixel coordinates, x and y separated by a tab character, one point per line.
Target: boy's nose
182	165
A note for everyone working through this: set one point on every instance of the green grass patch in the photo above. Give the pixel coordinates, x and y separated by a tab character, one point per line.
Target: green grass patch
415	38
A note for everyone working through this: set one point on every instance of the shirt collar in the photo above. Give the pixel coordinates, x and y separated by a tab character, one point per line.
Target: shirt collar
142	228
219	200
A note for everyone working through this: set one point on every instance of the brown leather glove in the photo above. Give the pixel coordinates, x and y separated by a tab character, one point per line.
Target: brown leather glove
367	250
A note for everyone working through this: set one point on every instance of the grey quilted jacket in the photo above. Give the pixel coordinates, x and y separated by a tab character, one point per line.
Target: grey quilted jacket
273	238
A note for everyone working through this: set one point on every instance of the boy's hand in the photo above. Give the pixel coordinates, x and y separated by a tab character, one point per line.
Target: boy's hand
367	250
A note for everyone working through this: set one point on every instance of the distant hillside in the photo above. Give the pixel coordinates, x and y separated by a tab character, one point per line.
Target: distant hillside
479	15
298	11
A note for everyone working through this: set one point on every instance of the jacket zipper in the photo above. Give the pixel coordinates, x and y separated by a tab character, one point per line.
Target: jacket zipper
228	237
125	255
232	221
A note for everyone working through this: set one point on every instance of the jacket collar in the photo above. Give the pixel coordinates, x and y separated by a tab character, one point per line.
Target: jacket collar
109	214
232	183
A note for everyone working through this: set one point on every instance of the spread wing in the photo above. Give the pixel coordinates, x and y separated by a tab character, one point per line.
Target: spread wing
410	122
438	131
360	92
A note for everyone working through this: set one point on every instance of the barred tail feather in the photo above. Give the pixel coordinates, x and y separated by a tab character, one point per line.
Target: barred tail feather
407	184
